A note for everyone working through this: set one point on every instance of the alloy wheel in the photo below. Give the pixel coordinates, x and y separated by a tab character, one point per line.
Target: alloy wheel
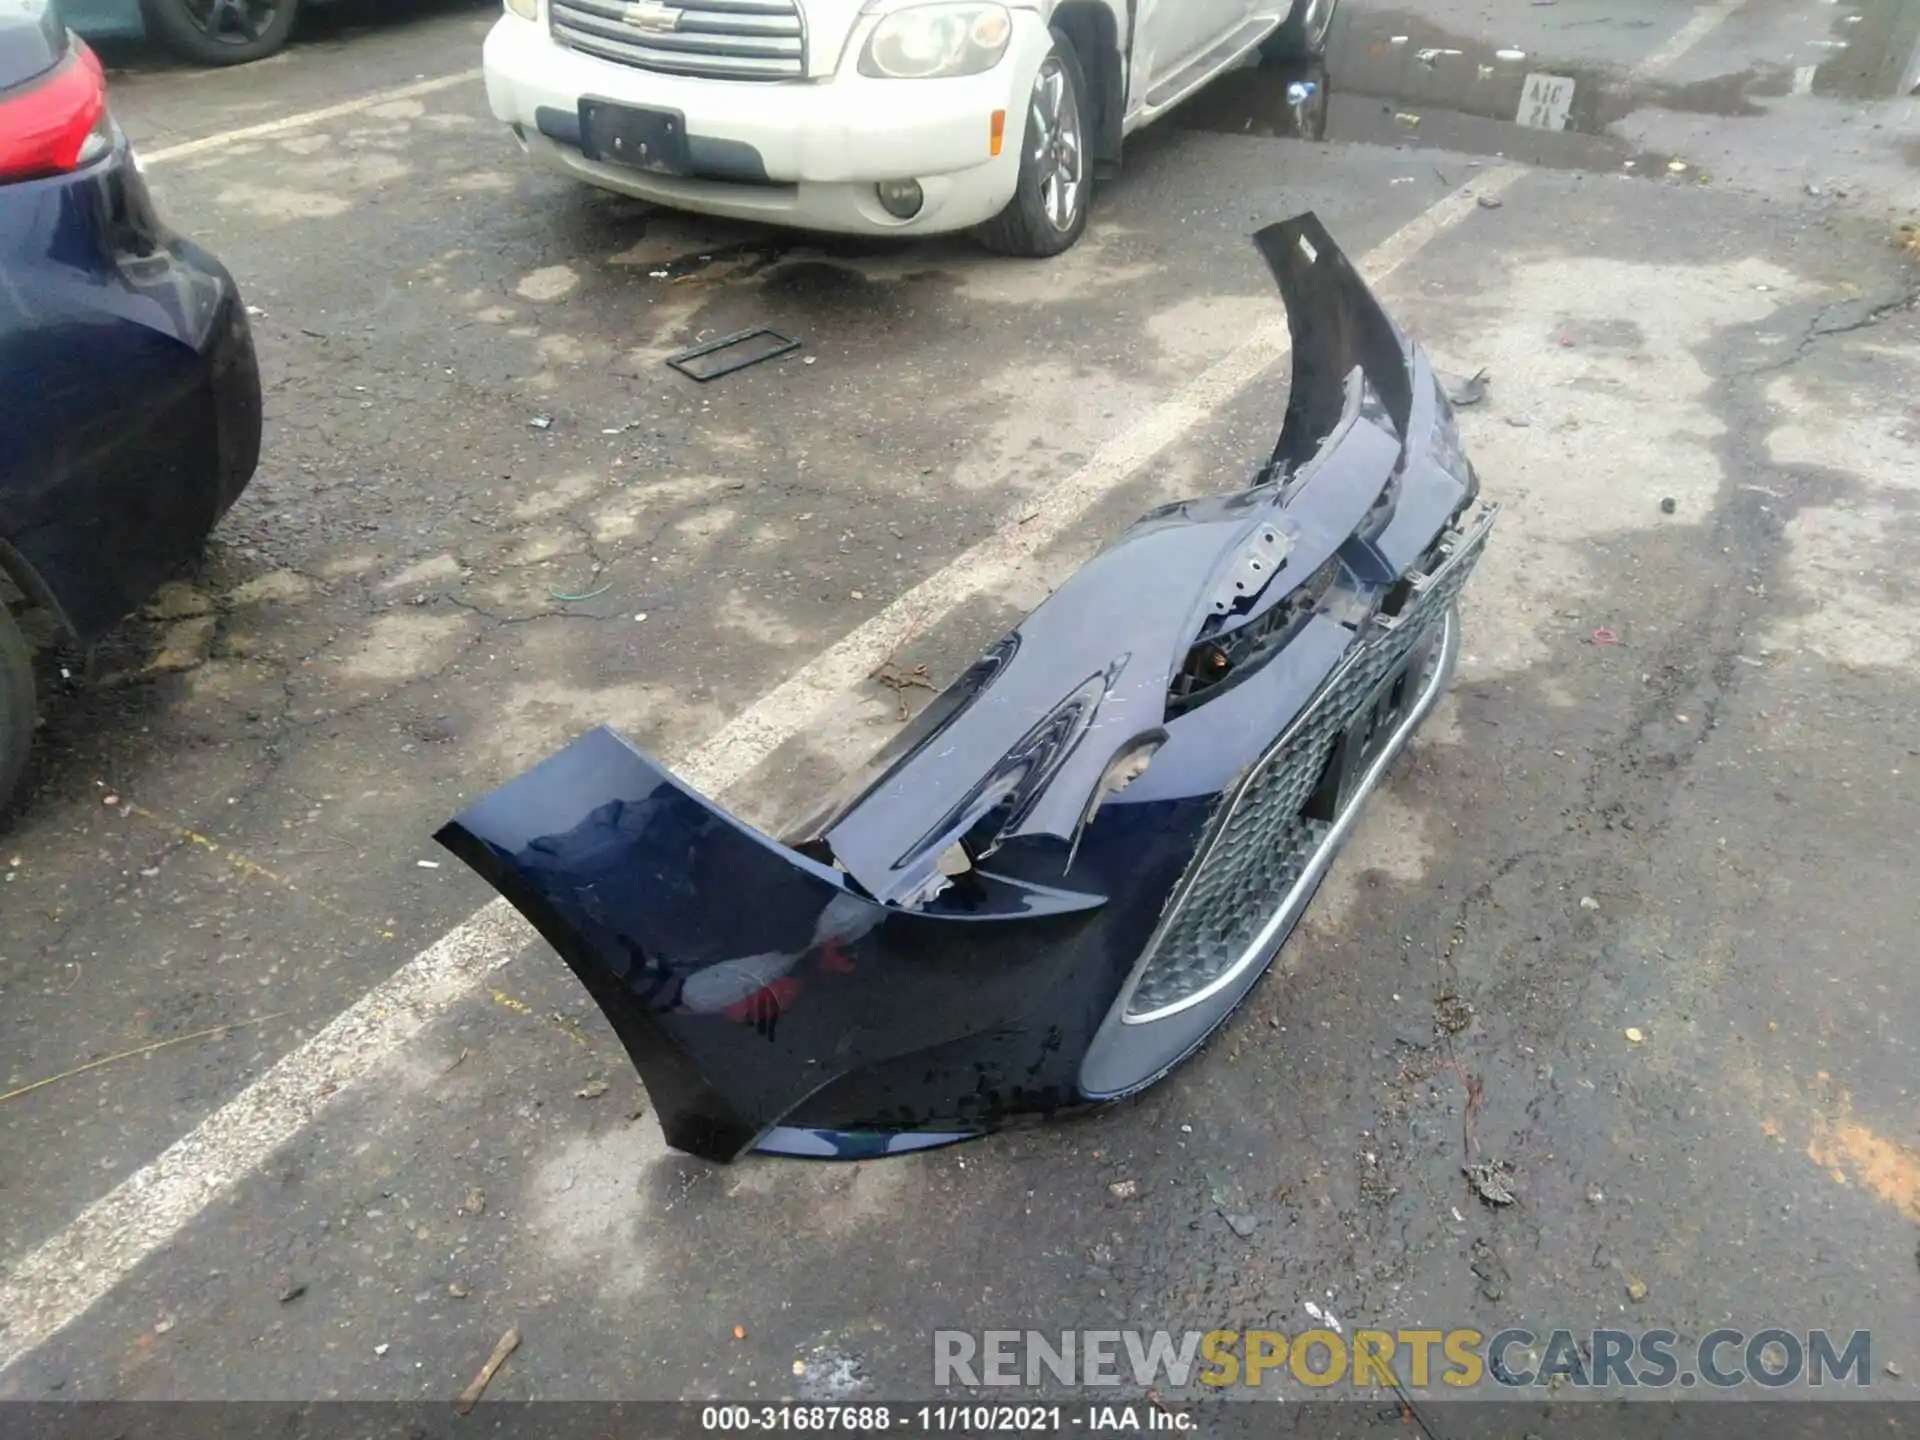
232	22
1059	153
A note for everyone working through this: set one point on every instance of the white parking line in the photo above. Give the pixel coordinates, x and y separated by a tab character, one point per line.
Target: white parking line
1706	20
57	1283
224	138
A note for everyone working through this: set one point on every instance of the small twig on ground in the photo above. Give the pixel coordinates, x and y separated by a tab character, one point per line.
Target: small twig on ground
470	1396
142	1050
900	681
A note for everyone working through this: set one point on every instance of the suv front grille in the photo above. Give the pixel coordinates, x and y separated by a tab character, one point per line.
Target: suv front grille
1260	849
718	39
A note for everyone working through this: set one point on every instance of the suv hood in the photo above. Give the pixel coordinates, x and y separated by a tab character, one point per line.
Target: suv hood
830	24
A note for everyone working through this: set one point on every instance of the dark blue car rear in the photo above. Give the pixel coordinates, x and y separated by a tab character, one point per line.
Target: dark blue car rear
130	417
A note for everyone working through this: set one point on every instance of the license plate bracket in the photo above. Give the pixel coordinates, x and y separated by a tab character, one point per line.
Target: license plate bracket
634	136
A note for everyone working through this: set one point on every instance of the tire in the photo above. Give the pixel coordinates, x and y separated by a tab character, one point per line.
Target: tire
221	32
17	705
1048	212
1303	35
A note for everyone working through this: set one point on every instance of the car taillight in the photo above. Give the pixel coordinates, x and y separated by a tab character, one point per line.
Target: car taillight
58	122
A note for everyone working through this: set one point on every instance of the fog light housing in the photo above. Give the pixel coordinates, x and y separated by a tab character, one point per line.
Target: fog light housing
901	199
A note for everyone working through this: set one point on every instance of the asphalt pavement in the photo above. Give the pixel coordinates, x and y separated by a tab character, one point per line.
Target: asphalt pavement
286	1111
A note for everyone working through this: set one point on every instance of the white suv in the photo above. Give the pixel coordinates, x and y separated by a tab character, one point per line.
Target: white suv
868	117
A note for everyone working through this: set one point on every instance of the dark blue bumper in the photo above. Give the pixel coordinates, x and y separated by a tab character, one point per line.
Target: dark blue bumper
1079	859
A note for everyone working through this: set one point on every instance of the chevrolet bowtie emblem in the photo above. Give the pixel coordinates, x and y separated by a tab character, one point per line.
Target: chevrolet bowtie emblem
651	15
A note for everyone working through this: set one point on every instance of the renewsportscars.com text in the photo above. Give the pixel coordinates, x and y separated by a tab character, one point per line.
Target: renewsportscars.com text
1772	1358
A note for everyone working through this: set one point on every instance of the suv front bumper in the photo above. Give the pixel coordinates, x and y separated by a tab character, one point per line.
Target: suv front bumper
804	153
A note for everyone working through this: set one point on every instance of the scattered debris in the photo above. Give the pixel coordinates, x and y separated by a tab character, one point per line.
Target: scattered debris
1677	167
900	681
1587	902
541	422
1452	1014
1490	202
293	1292
1325	1317
458	1291
381	1348
1669	505
1605	636
799	1367
470	1396
475	1203
739	1332
1241	1225
1123	1189
1406	118
592	1090
1636	1290
777	346
1894	1370
1471	391
1489	1271
428	864
1493	1179
1634	1034
856	594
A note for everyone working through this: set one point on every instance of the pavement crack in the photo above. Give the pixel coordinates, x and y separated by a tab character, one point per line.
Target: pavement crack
500	618
1818	329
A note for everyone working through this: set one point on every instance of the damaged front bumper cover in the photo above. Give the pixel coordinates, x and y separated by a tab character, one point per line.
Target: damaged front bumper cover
1074	864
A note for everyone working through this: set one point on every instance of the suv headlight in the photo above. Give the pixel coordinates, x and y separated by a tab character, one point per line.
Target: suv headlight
525	9
930	42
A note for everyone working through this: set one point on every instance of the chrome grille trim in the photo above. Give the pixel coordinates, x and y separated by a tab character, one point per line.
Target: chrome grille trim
713	39
1261	858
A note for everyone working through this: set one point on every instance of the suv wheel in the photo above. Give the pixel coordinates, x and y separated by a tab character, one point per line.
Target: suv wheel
1048	212
221	32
